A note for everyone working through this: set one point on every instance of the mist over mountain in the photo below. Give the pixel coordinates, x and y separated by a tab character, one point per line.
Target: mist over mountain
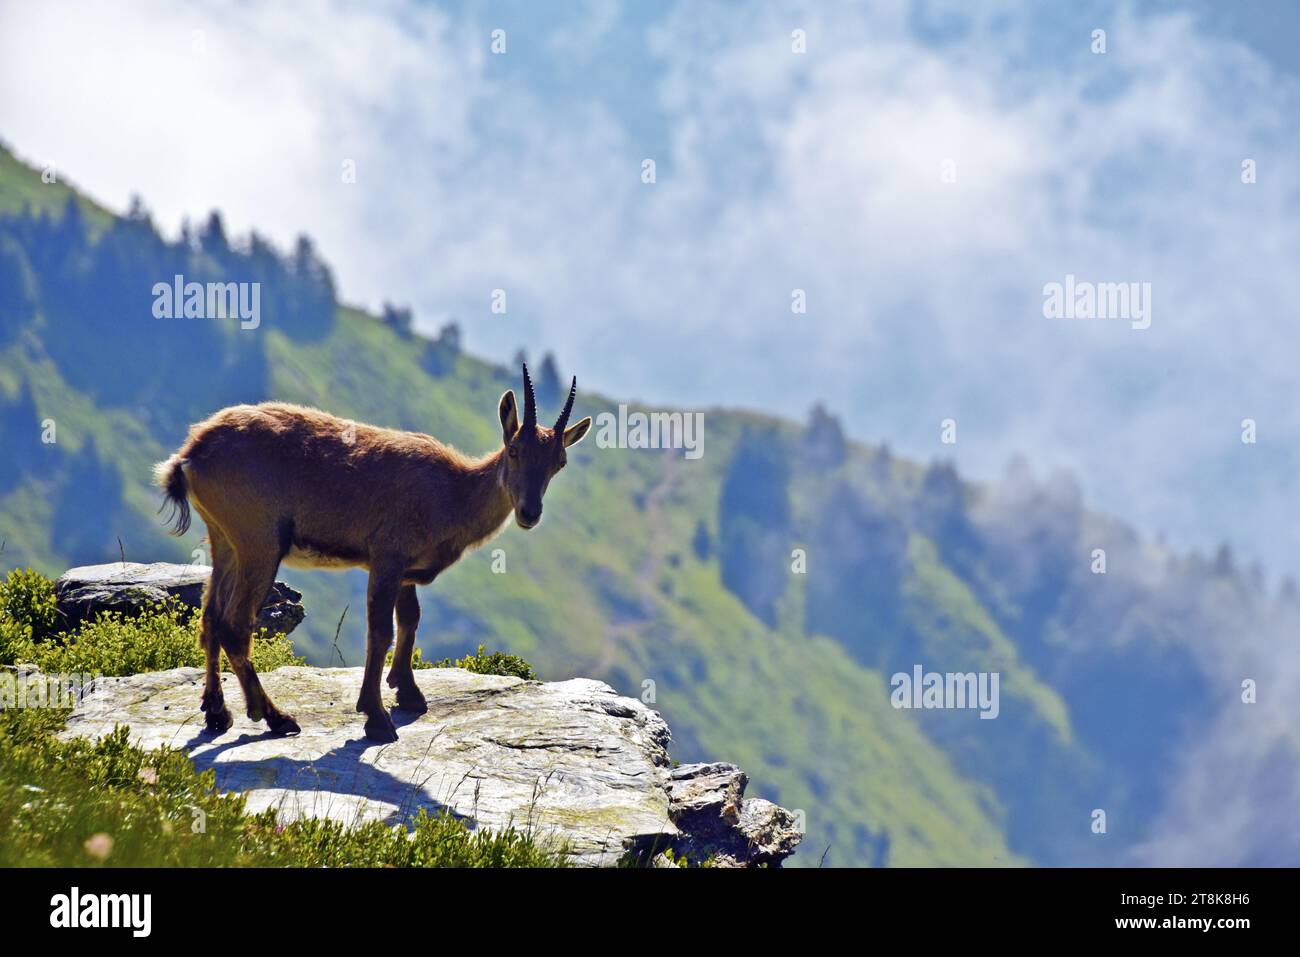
762	596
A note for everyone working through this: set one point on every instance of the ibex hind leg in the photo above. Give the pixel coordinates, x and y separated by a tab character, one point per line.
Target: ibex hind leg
213	705
255	578
381	597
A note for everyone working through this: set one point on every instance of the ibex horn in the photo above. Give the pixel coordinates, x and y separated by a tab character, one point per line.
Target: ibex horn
563	420
530	402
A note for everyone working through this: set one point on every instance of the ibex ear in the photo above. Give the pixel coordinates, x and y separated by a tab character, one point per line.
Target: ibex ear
574	433
509	416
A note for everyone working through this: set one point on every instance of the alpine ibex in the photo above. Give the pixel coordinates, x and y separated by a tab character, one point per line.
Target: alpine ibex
277	482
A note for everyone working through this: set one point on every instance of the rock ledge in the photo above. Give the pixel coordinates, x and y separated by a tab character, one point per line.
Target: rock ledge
571	760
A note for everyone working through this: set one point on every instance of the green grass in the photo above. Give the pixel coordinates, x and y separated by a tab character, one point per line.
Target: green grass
108	802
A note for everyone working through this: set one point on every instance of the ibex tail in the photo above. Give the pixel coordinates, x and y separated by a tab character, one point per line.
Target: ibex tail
169	476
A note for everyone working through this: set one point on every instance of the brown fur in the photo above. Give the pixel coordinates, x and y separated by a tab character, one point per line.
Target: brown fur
278	482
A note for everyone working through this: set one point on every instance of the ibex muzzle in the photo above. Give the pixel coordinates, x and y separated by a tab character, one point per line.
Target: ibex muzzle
282	483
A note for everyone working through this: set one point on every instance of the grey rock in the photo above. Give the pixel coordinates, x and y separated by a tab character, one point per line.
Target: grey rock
720	825
768	831
707	797
127	587
571	762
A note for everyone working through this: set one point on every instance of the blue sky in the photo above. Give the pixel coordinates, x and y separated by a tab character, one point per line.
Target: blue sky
775	171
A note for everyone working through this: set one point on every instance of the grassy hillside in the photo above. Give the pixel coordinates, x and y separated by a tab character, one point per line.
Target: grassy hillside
659	574
21	191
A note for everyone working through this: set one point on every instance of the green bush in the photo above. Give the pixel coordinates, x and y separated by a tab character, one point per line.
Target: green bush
114	644
27	596
15	642
165	636
496	663
108	802
28	614
481	663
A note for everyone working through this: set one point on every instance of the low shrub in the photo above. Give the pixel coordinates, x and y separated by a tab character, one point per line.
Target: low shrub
27	597
165	636
484	663
28	614
481	663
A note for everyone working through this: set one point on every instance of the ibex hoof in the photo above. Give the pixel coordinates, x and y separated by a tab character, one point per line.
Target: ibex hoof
380	727
283	724
219	722
410	699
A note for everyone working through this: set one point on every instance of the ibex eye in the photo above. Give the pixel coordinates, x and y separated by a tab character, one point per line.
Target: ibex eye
514	452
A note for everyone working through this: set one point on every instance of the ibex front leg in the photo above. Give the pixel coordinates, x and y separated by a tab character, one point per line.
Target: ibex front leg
400	675
385	582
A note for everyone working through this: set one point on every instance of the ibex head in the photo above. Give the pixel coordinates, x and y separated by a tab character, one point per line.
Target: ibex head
534	453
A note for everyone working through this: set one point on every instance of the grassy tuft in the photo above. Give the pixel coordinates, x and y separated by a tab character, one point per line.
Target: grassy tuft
484	663
110	803
481	662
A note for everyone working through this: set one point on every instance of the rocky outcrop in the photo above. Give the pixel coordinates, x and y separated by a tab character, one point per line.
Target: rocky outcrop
719	824
570	761
128	587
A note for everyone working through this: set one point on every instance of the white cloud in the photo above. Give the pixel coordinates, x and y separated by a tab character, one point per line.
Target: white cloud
817	171
252	110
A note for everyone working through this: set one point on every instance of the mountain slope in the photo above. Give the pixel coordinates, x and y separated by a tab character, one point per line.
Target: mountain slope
674	579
